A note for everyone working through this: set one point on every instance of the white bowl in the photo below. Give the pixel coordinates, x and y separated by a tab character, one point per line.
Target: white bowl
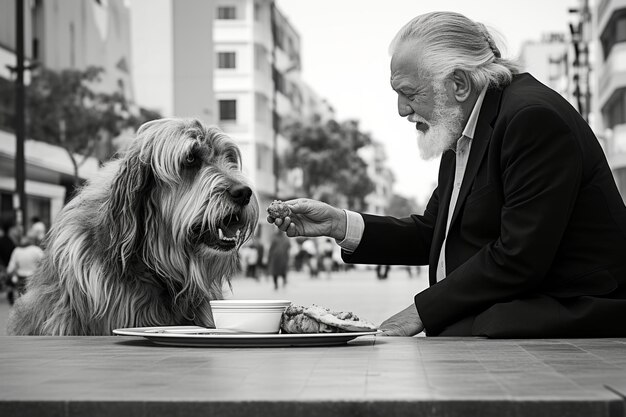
250	303
249	316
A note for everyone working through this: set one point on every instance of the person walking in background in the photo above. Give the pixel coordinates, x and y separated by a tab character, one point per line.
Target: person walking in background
6	249
23	263
382	271
252	258
326	256
525	233
310	248
278	258
37	230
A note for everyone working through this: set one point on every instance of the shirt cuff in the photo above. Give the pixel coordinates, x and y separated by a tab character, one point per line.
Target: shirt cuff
354	231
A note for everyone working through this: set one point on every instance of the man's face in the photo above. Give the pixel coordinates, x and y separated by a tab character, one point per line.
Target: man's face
424	100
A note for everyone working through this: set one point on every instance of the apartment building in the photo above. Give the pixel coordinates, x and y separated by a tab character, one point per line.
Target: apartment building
257	89
548	61
610	22
173	59
378	201
57	35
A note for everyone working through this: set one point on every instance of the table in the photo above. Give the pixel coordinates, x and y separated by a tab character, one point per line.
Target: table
370	376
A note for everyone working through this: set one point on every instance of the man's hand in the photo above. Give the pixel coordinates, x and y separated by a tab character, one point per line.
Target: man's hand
405	323
312	218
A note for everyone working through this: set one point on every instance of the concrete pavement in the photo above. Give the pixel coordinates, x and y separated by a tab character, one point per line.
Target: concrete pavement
357	290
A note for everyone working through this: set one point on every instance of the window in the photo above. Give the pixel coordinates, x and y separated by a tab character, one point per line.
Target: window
227	13
228	110
226	60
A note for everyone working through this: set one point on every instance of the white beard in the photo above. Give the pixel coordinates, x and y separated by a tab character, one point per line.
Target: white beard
444	129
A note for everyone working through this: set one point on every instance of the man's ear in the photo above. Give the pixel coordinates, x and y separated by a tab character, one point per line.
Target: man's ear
462	85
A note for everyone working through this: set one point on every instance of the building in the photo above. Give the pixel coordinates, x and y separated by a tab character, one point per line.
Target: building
378	201
256	88
173	59
548	61
57	35
610	22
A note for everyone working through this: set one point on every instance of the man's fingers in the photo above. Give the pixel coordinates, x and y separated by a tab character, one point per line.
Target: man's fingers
291	230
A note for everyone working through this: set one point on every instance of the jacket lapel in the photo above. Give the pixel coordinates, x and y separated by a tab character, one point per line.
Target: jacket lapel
480	142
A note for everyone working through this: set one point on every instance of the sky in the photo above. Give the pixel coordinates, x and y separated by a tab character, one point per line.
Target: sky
344	52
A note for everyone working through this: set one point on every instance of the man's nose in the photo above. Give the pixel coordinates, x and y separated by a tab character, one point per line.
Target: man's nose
404	109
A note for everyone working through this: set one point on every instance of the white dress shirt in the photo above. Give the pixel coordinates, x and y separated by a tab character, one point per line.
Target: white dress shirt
355	224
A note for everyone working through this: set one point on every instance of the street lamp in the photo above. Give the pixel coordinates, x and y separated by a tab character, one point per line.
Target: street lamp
20	122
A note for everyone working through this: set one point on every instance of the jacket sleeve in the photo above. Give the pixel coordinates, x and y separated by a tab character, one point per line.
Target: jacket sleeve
392	241
541	170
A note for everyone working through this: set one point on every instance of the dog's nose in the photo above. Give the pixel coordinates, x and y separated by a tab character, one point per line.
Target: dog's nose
240	194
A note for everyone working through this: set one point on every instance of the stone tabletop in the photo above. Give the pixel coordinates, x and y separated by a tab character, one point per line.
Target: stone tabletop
369	376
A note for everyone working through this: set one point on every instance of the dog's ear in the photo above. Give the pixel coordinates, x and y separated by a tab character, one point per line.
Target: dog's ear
129	205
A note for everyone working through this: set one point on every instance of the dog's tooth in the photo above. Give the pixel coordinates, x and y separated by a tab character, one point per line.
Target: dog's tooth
221	234
237	234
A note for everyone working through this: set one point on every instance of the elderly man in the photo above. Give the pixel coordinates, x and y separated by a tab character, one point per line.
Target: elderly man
525	235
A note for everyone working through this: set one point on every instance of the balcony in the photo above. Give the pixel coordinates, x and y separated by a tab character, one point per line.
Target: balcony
616	150
612	75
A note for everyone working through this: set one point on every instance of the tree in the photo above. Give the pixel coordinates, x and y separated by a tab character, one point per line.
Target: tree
401	206
65	109
327	154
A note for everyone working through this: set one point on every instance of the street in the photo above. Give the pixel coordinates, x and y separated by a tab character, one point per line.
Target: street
357	290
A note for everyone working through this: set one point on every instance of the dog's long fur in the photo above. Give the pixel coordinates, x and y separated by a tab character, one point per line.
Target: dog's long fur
139	245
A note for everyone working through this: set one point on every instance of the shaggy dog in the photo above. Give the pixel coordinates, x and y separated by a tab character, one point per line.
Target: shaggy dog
148	242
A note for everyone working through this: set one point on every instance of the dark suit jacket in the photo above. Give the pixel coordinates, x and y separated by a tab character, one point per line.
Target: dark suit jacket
537	241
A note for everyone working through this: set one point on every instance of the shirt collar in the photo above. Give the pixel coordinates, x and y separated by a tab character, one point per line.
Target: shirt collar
470	127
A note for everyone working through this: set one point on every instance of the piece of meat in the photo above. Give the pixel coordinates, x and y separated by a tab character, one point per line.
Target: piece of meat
317	319
278	209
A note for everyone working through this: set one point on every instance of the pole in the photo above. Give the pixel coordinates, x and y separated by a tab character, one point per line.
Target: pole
274	101
20	123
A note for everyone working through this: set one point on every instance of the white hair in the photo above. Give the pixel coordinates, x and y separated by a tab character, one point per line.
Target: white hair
451	41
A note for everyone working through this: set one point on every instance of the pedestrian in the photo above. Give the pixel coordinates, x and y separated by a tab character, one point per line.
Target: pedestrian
23	263
382	271
252	260
310	248
6	249
525	233
326	256
37	230
278	258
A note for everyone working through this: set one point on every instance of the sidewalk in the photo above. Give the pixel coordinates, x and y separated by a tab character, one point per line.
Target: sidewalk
358	291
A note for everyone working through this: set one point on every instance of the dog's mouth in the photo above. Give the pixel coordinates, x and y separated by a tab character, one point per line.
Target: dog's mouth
230	231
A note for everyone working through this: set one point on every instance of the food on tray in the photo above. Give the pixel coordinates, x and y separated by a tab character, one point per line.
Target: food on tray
278	209
316	319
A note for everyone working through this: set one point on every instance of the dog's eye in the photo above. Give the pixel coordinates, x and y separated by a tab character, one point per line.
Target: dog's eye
192	158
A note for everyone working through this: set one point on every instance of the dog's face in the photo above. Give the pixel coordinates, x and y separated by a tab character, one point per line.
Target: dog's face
182	202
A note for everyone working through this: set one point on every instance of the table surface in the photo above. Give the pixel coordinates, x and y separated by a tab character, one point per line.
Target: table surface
369	376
